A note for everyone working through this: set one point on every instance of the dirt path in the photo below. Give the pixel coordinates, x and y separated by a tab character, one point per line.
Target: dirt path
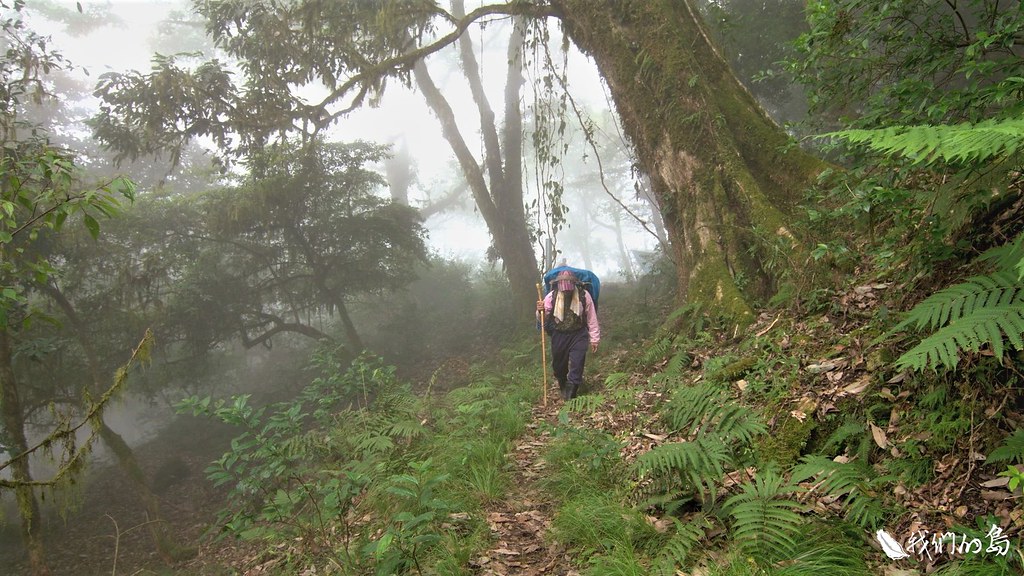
520	523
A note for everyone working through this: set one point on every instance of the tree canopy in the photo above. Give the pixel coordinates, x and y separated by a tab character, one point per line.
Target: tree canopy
304	232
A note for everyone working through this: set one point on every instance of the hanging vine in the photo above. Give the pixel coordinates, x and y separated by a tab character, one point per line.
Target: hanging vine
552	107
549	145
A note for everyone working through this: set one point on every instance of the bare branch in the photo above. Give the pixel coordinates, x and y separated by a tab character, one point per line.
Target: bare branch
409	59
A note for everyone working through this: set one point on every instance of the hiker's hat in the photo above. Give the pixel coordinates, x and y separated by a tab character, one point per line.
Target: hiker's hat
565	280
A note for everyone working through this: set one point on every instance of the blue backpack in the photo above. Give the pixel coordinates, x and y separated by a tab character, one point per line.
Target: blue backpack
588	279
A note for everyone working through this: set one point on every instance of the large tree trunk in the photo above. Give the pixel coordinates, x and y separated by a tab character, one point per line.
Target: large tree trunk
497	186
14	431
722	170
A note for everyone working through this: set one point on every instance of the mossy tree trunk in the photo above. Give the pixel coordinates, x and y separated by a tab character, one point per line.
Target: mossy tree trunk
21	476
723	172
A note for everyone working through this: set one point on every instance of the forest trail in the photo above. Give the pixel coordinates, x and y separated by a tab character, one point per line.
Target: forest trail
521	521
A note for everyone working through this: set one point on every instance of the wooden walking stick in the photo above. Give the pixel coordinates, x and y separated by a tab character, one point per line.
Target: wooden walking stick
543	348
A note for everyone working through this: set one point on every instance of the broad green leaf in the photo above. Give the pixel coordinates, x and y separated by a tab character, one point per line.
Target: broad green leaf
92	225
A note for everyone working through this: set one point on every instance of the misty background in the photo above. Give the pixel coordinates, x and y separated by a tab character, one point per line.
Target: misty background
432	311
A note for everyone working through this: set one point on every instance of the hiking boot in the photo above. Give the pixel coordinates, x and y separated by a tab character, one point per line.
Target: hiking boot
561	388
571	390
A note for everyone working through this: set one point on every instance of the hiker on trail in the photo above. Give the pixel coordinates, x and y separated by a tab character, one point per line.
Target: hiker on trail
570	317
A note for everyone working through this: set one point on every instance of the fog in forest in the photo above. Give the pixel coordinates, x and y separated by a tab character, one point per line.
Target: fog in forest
436	304
270	271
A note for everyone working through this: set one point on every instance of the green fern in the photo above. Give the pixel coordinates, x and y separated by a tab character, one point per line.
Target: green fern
407	429
824	549
373	444
963	143
700	463
585	404
852	434
691	406
764	520
675	365
675	552
970	333
706	409
736	422
718	429
1012	449
616	379
975	294
481	389
1009	256
656	351
857	483
984	310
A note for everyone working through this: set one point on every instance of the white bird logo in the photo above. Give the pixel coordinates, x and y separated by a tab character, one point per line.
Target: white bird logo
891	547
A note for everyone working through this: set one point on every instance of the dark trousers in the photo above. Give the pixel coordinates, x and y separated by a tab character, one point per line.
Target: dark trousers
568	355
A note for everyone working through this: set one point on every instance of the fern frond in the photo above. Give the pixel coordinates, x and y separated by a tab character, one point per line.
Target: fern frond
989	325
690	308
700	463
737	422
679	360
705	409
408	429
587	403
824	550
763	518
1012	449
983	310
616	379
851	437
1008	256
963	299
479	390
690	406
391	406
686	537
963	143
656	351
948	304
374	444
855	482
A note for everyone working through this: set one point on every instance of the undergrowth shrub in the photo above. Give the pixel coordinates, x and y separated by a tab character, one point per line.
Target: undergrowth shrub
979	167
359	471
290	472
415	518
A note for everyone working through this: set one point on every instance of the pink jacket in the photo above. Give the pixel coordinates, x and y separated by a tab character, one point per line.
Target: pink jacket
592	325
